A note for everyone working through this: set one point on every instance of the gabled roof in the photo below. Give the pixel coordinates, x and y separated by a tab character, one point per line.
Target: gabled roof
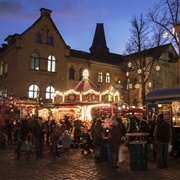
45	13
155	52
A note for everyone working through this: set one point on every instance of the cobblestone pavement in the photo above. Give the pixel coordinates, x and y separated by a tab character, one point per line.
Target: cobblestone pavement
77	166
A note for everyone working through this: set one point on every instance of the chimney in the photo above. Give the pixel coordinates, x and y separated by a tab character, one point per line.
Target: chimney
45	12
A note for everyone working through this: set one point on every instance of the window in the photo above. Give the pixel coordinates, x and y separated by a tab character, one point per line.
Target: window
5	92
35	61
33	91
107	78
38	37
100	77
81	73
51	63
49	92
50	40
71	72
5	67
1	68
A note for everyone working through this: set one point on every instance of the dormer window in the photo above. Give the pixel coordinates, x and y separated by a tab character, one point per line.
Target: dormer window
50	40
38	37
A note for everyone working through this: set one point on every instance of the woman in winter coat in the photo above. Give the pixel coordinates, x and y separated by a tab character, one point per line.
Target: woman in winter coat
97	135
54	138
114	143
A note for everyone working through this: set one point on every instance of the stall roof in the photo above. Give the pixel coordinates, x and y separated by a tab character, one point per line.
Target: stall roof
167	94
85	85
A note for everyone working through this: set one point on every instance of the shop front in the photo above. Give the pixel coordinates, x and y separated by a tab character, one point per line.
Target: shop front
167	102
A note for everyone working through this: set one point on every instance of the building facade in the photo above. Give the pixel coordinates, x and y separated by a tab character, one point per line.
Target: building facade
38	62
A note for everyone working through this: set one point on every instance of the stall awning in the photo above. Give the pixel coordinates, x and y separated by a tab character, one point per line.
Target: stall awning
167	94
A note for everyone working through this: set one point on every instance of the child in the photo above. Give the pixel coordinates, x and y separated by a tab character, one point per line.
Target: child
87	142
66	141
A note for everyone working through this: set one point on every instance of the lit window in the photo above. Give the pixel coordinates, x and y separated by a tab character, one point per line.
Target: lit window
1	68
5	92
100	77
107	78
119	81
35	61
49	92
38	37
71	72
33	91
1	93
51	63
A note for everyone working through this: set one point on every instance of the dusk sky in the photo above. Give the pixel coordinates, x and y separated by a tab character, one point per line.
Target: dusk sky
76	19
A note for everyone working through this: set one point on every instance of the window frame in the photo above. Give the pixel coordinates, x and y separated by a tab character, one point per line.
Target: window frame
51	65
35	62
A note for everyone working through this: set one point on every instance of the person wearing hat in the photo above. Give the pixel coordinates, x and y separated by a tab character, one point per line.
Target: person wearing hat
54	138
114	143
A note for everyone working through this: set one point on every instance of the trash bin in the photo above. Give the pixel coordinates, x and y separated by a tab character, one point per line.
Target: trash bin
138	155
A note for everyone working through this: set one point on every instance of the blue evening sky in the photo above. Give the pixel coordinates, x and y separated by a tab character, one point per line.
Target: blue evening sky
76	19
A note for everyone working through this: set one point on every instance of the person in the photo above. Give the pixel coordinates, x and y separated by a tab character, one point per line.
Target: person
151	137
2	139
23	144
77	132
144	128
54	138
132	128
66	141
121	126
9	130
97	135
48	128
39	130
87	141
162	135
68	124
114	143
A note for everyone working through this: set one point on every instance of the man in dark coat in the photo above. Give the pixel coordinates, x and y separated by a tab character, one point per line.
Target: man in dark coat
115	143
162	135
39	130
77	132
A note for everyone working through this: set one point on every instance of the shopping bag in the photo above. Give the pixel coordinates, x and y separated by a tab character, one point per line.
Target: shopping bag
25	146
121	157
170	148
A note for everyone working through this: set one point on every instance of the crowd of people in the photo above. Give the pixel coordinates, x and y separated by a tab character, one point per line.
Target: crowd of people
104	141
